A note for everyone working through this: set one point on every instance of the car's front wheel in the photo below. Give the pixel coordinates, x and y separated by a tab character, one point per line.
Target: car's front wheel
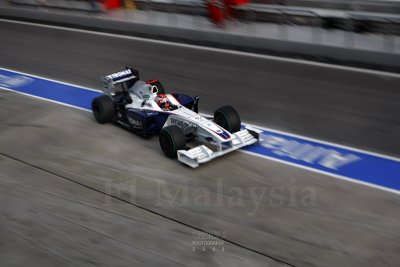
103	109
228	118
171	140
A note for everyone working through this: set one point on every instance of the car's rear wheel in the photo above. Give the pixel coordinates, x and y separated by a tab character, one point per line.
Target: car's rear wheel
171	140
103	109
228	118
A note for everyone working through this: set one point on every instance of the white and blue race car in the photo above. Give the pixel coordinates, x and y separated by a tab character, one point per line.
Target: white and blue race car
145	108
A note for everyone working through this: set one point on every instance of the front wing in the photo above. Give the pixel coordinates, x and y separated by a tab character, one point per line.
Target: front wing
201	154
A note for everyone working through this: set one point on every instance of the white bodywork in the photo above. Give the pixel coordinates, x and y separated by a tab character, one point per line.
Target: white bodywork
143	97
209	132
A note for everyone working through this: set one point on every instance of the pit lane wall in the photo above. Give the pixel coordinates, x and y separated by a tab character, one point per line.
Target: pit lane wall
339	55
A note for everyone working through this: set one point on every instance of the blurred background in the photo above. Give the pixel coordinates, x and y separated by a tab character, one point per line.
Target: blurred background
371	25
320	76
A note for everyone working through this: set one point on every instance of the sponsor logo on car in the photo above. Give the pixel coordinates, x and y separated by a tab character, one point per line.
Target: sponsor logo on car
119	74
135	123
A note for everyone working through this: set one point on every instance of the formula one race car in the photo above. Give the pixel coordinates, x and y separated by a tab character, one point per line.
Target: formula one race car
145	108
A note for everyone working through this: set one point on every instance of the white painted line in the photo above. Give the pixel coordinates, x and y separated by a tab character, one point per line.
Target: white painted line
219	50
247	152
322	172
327	143
375	154
51	80
359	150
45	99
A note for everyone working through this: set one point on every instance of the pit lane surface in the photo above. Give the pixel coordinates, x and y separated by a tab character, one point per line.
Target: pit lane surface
352	108
338	228
61	223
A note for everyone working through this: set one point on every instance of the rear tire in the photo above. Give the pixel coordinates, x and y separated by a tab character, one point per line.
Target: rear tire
103	109
228	118
171	140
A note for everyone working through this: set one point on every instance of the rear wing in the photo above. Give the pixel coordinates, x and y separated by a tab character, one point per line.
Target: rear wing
128	76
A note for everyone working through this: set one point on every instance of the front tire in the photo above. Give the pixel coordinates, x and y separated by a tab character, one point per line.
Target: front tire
103	109
171	140
228	118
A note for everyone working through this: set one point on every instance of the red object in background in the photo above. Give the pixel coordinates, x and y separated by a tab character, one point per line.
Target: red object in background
229	4
239	2
112	4
216	13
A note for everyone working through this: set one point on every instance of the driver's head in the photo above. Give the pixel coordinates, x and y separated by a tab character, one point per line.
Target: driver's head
162	101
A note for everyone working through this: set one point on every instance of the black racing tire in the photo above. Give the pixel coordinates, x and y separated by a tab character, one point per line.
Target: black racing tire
103	109
171	140
228	118
159	86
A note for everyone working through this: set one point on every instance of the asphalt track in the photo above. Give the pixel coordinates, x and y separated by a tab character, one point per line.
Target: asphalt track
356	109
345	224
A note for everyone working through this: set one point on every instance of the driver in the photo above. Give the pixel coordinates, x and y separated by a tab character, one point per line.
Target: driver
163	102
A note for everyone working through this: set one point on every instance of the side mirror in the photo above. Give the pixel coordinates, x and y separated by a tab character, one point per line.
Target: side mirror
154	89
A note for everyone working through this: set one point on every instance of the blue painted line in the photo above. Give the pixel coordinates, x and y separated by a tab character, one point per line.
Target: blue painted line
335	160
360	166
59	92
